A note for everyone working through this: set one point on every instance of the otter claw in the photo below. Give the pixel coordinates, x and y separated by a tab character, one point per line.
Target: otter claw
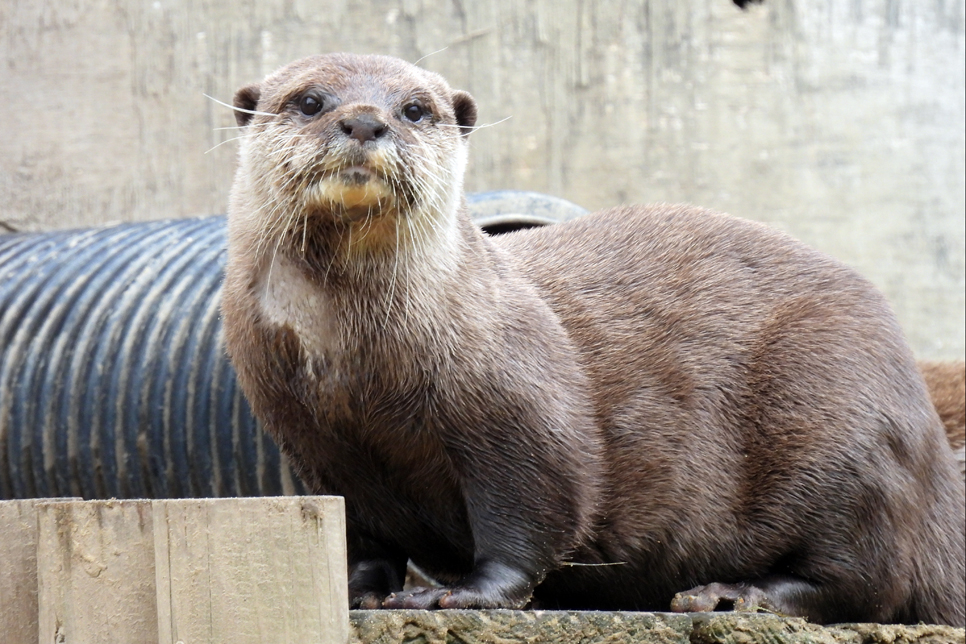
455	597
743	597
366	601
420	598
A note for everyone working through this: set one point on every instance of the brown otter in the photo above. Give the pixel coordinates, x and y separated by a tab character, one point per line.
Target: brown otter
596	414
947	388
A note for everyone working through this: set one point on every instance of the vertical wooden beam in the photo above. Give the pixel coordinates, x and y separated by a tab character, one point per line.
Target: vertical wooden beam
95	570
18	571
251	570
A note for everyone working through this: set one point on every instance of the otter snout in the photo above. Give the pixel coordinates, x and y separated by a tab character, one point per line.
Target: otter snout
363	127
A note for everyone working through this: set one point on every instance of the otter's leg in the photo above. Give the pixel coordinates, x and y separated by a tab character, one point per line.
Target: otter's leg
511	558
782	594
529	468
522	520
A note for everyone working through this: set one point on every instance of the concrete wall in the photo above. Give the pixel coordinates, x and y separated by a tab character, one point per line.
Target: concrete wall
840	121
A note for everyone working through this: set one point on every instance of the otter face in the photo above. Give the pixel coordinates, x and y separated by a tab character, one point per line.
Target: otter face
352	142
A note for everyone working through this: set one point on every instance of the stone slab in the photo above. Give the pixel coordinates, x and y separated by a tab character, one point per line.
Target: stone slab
513	627
590	627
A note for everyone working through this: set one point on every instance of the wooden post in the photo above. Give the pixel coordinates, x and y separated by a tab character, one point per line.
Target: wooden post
18	571
95	569
251	570
190	570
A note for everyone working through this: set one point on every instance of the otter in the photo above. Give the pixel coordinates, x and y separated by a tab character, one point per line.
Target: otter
643	408
946	382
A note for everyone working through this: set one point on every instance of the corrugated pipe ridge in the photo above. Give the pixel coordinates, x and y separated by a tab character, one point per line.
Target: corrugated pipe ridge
114	380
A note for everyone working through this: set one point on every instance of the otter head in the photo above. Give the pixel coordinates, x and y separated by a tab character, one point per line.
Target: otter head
341	143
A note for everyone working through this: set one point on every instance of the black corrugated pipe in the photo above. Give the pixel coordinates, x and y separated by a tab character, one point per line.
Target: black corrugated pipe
113	376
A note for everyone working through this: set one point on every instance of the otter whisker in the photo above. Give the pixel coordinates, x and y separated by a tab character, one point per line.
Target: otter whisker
238	109
305	230
392	282
432	53
473	128
406	317
593	565
325	278
218	145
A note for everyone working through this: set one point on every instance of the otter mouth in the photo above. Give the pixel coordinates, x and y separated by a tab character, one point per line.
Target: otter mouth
351	191
358	175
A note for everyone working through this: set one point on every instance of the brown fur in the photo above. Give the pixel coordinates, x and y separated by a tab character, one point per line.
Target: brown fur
947	389
598	414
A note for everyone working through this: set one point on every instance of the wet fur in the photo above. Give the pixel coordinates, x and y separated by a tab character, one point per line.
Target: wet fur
600	414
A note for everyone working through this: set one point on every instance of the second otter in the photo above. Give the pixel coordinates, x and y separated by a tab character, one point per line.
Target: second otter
639	405
946	382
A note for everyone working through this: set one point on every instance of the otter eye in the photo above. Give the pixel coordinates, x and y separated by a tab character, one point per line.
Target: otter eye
310	105
413	112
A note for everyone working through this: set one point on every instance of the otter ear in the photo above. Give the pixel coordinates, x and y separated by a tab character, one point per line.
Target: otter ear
246	99
465	108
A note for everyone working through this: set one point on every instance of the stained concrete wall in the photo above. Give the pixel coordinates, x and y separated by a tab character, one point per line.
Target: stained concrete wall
840	121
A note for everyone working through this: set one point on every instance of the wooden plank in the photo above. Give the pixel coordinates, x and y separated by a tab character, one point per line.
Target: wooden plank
95	569
18	571
251	570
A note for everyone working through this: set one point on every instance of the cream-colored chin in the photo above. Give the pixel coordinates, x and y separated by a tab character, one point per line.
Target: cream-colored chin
335	191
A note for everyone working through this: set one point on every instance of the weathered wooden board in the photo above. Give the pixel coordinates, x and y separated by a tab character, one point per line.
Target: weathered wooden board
18	571
251	570
95	569
242	570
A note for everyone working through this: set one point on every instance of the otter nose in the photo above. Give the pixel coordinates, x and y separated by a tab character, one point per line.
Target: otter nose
364	127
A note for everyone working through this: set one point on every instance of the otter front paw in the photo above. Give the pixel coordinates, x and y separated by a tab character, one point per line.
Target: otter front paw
420	598
491	585
456	597
740	597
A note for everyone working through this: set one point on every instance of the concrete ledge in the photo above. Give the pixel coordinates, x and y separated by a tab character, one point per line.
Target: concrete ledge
589	627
